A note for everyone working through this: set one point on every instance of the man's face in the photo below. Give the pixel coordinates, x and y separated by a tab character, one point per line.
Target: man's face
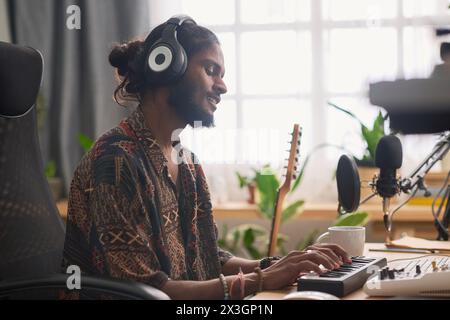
196	95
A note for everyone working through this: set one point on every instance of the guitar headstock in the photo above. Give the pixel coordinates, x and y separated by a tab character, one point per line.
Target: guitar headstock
293	160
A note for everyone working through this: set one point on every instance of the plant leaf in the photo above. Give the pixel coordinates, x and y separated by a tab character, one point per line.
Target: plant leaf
345	111
291	210
353	219
85	142
249	239
50	169
243	180
267	184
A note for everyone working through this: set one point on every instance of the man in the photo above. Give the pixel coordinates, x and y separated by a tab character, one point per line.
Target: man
136	211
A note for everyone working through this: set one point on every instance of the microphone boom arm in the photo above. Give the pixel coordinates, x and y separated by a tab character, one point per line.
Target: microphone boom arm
415	181
416	177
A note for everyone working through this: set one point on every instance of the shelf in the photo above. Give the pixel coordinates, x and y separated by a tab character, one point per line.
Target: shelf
325	212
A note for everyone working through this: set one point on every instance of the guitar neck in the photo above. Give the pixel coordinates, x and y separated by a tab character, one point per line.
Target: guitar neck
284	189
276	221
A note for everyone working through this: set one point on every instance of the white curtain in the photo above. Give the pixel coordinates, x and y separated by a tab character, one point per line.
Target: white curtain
5	34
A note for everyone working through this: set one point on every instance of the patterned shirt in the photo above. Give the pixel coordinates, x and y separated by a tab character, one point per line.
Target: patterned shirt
126	219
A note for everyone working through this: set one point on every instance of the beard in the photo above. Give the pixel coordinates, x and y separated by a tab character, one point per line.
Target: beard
182	99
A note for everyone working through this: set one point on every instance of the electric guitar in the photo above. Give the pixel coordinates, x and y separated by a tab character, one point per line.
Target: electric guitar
285	187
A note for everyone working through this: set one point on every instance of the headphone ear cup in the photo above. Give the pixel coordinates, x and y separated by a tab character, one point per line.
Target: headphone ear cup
166	63
160	58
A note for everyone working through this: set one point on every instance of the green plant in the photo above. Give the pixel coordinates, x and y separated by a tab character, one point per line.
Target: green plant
252	238
50	169
359	218
267	184
369	136
85	142
248	240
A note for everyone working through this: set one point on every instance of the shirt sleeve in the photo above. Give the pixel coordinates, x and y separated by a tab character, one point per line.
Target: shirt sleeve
122	227
224	255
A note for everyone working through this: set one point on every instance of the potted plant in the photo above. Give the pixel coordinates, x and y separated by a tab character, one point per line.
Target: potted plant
370	137
249	239
251	187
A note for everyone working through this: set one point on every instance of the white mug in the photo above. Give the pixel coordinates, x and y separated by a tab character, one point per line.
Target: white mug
351	239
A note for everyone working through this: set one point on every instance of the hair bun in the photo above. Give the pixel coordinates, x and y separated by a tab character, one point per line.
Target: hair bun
118	58
123	54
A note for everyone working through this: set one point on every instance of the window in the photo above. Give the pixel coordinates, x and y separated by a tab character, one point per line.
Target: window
286	58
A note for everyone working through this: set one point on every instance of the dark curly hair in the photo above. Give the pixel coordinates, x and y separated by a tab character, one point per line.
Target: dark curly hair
129	59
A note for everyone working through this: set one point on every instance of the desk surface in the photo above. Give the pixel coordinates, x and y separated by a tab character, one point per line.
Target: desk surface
356	295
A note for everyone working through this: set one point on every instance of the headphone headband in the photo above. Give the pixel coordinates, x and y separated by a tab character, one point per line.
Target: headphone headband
175	21
166	58
178	20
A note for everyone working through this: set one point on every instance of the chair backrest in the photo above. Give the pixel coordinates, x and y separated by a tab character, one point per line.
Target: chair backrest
31	230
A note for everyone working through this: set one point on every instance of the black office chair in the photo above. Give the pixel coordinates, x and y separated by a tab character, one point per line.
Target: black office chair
31	230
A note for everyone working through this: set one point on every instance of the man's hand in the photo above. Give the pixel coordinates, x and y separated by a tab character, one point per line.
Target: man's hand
285	271
334	251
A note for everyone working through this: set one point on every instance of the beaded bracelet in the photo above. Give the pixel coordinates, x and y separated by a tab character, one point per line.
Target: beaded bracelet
226	293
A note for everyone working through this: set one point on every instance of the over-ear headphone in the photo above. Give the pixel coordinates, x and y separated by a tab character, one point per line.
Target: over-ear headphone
166	60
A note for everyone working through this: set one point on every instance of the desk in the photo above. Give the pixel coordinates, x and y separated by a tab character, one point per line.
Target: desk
356	295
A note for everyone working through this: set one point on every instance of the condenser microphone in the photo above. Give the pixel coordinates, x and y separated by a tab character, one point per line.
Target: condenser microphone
389	158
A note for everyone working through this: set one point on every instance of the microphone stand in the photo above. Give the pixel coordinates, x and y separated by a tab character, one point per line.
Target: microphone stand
415	182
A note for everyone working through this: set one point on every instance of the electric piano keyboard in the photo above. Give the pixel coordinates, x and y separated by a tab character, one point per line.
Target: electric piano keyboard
345	279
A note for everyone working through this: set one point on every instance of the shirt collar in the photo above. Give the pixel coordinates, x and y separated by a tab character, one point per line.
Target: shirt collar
145	136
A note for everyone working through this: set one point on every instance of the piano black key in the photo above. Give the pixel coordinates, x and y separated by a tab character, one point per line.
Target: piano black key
343	280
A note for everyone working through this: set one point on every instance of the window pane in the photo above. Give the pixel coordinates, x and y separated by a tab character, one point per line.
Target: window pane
228	44
267	127
419	8
225	115
420	63
275	11
276	62
211	12
215	145
359	9
356	57
345	130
